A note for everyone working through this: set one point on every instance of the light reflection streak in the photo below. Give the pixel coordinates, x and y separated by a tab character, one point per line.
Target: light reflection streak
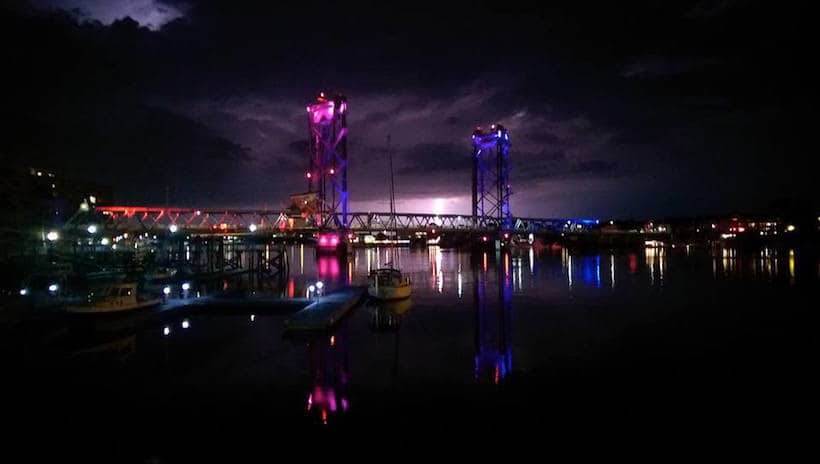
532	262
520	286
791	267
612	271
598	271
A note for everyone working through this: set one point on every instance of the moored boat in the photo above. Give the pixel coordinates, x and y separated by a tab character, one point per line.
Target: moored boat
388	284
115	298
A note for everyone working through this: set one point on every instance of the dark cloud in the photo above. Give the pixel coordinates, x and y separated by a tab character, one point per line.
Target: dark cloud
661	66
709	100
542	137
298	147
448	157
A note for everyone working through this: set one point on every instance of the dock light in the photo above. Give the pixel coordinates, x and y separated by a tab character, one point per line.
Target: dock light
166	331
311	289
53	288
790	228
105	241
92	199
166	290
320	285
253	317
252	227
186	286
52	236
23	291
92	229
185	323
173	228
84	206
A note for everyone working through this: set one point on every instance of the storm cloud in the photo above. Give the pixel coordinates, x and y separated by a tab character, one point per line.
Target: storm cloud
202	103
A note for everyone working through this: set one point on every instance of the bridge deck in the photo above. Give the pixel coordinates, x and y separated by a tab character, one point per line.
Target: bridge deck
147	218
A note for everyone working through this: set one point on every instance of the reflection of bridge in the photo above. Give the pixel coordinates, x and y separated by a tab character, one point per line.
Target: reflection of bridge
142	218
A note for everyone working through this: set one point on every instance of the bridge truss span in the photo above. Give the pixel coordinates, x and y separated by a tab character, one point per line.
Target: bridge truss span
154	218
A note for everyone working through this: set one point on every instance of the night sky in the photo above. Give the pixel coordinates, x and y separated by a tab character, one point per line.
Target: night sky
618	110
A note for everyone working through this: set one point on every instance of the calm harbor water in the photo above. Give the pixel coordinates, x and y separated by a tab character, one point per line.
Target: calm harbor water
492	336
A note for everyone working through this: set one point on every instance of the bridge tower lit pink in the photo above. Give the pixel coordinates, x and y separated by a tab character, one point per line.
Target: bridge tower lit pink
327	172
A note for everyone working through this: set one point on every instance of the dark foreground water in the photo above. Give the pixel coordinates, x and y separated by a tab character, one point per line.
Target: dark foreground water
661	342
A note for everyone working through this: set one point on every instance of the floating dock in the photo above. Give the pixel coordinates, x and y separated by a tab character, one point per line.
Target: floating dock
327	311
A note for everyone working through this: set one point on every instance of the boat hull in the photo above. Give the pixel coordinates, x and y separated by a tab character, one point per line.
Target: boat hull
389	292
112	308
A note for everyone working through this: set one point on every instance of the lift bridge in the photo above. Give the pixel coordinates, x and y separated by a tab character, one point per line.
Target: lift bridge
325	204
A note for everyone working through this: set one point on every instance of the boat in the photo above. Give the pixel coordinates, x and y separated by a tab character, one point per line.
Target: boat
115	298
388	284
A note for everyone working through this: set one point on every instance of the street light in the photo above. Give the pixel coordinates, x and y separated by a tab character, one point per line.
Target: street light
252	227
92	229
173	228
52	236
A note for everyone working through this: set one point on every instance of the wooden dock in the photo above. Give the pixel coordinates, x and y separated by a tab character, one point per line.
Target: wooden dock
327	311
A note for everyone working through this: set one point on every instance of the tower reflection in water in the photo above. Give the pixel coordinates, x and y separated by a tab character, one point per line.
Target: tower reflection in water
329	375
493	320
328	269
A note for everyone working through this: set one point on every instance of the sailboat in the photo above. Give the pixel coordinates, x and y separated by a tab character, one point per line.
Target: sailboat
387	283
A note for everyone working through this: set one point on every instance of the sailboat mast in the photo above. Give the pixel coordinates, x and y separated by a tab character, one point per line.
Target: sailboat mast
392	187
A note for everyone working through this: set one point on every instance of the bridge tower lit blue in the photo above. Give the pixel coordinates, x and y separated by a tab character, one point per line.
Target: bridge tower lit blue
491	178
